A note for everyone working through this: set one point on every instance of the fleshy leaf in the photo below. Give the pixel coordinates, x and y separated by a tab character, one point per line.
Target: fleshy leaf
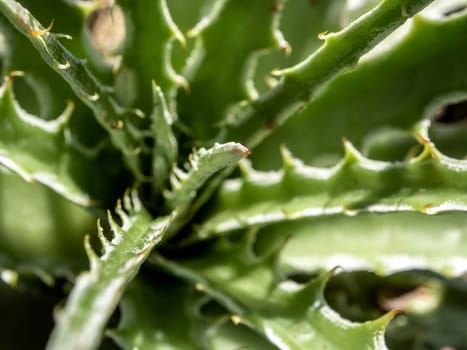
340	52
92	93
203	163
172	317
301	23
46	151
383	243
97	292
383	76
165	149
151	33
289	315
40	150
429	183
230	36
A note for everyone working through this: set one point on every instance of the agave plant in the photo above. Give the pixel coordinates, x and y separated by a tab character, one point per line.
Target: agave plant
264	174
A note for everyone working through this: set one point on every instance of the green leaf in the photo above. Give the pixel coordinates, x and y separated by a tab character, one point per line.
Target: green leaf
169	314
301	23
47	151
340	52
151	33
382	243
230	38
165	149
289	315
387	74
92	93
429	183
97	292
202	165
40	150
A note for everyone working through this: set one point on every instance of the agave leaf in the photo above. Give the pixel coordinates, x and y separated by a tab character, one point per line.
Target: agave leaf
384	76
230	38
39	150
171	317
340	52
429	183
98	291
47	152
99	98
289	315
383	243
301	23
151	33
202	165
165	149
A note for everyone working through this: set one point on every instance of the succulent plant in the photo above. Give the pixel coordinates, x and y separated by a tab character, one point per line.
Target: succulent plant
264	174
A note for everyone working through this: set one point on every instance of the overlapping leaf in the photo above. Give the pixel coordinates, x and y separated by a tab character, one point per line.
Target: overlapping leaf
150	35
99	98
97	292
289	315
230	37
429	183
391	93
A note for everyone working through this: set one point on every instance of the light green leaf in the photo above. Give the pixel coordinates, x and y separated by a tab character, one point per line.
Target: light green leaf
203	163
382	243
97	292
146	55
429	183
165	149
289	315
391	92
340	52
40	150
86	86
230	38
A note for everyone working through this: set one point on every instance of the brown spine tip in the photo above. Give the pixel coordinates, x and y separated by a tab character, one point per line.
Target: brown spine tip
35	32
277	7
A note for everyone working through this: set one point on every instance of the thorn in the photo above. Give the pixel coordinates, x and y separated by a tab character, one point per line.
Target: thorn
15	73
10	277
63	36
245	167
427	207
277	7
242	150
42	31
92	256
322	35
94	97
348	211
287	159
200	287
236	320
63	66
